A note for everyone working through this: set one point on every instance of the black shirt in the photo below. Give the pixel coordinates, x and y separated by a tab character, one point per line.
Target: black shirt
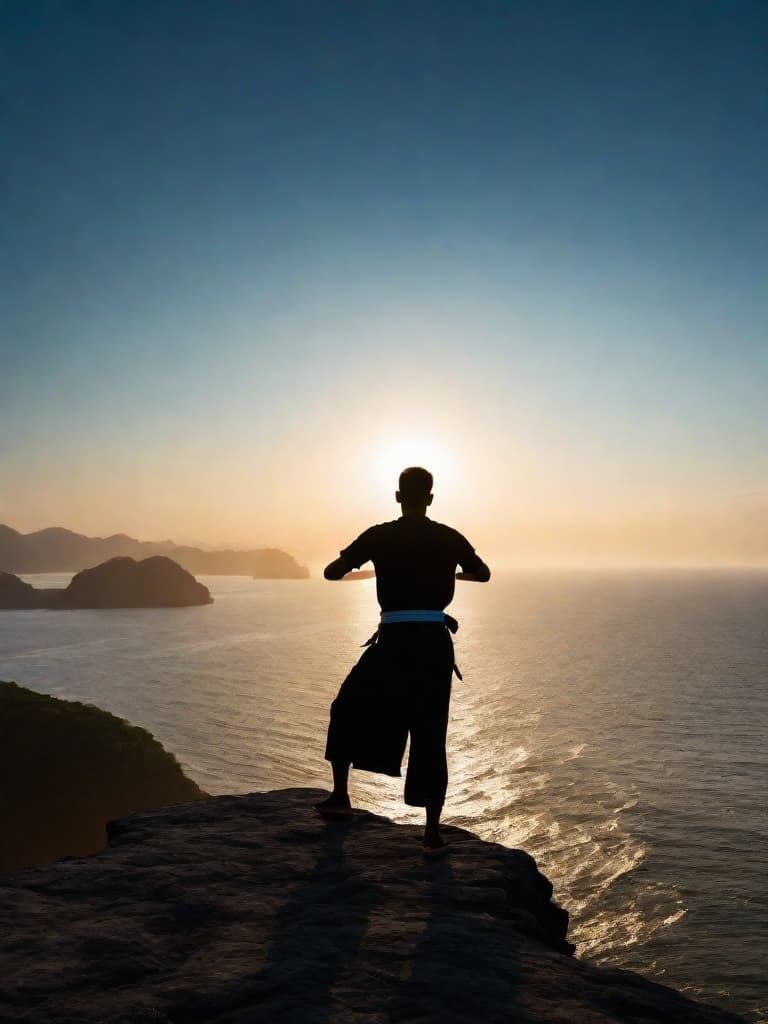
415	561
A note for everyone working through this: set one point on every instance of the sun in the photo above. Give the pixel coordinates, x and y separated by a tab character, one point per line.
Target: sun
392	456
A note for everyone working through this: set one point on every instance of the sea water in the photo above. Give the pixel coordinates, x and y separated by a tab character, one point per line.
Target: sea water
612	724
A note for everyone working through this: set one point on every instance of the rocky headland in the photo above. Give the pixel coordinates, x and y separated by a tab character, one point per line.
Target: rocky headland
58	550
156	582
66	769
253	909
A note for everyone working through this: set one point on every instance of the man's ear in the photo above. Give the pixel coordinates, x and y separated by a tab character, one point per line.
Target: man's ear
429	499
398	499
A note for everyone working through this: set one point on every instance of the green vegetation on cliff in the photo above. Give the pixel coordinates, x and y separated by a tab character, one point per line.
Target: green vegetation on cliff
67	769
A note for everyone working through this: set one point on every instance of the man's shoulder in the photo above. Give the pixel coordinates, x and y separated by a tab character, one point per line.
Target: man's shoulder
449	532
439	531
406	524
377	530
382	527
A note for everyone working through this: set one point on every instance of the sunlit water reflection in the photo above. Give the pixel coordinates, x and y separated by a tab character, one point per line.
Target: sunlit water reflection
611	724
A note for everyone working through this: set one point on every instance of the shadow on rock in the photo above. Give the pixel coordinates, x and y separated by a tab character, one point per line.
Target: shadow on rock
317	934
455	972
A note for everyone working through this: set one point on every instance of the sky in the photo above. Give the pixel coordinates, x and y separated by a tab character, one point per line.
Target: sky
256	257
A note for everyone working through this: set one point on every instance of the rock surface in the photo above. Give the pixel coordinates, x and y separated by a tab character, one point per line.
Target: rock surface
250	909
66	769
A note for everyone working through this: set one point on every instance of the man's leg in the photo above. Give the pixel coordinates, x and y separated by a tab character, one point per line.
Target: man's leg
427	777
341	730
341	780
362	729
432	837
338	802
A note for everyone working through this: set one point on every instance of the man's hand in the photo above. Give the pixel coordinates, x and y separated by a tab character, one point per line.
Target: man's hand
336	570
481	576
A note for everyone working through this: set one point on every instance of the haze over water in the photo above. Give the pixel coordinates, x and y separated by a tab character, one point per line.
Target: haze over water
612	724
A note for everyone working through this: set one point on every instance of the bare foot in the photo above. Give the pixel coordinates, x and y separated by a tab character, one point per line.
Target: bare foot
433	846
334	806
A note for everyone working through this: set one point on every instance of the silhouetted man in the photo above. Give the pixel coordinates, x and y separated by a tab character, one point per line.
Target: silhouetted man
402	682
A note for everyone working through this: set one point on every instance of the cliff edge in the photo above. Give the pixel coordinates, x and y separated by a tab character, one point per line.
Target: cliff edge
251	908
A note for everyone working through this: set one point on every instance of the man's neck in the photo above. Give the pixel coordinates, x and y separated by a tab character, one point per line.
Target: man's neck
413	511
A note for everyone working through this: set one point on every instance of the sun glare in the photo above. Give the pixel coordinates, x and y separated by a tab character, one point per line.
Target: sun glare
393	456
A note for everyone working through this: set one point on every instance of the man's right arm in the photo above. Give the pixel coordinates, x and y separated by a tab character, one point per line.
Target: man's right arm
358	553
337	569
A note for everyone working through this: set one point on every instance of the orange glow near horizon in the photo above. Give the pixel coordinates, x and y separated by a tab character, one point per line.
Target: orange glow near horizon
521	497
391	457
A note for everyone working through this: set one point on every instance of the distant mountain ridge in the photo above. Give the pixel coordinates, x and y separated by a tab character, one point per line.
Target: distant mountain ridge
58	550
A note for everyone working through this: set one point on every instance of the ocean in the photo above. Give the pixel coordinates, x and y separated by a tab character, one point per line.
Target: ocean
610	723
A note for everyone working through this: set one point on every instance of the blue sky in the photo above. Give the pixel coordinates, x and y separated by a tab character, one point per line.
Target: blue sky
245	241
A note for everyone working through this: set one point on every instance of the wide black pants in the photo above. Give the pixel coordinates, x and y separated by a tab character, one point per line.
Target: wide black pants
400	685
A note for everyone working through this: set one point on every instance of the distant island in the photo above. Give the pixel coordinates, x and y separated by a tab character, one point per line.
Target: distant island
58	550
156	582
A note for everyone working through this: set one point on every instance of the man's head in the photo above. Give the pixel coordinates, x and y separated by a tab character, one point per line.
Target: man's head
415	489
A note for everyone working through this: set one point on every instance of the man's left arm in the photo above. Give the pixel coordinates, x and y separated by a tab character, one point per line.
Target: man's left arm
473	567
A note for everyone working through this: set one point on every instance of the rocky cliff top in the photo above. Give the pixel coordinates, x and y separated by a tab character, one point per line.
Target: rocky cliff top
251	908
